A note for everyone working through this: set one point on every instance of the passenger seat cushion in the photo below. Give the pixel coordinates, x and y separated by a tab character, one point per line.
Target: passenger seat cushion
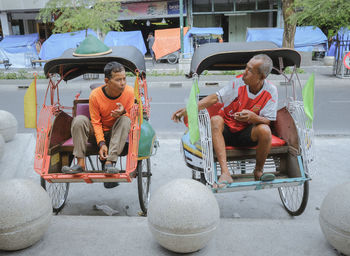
83	109
275	142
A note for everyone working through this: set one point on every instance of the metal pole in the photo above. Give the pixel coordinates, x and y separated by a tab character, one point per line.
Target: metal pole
181	7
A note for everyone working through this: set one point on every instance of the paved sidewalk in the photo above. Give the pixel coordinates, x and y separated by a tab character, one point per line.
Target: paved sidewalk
86	235
252	223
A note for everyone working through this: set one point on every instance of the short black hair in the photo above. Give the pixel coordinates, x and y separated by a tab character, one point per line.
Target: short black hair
112	67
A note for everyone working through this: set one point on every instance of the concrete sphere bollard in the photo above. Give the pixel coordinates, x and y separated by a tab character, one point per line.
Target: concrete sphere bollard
335	218
183	215
25	213
8	125
2	146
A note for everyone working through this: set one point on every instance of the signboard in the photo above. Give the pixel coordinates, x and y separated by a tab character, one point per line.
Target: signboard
347	60
149	10
174	8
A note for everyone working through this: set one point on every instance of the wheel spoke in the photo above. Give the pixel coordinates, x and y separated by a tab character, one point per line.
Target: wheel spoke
294	198
144	182
58	193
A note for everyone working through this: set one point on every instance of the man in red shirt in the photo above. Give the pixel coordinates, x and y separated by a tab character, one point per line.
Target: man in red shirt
249	105
109	107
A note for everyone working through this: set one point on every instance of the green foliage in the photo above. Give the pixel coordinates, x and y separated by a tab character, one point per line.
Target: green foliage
327	14
20	74
74	15
289	70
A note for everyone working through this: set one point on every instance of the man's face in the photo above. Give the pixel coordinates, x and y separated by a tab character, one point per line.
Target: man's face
117	82
252	75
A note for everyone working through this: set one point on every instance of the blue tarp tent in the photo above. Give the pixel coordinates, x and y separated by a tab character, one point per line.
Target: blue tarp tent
19	49
133	38
344	38
56	44
306	39
188	46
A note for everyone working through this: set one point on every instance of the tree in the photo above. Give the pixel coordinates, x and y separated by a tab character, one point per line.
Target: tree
289	24
73	15
329	15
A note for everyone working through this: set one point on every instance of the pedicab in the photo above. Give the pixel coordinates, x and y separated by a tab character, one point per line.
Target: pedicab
291	158
54	145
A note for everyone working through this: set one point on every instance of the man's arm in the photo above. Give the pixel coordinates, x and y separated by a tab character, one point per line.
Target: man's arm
98	130
208	101
202	104
250	117
96	120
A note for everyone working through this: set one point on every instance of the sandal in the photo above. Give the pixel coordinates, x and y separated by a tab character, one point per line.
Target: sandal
222	184
267	177
72	170
110	184
110	168
263	176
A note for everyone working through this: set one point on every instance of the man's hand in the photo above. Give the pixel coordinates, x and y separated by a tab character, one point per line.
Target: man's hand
176	117
103	153
246	116
119	111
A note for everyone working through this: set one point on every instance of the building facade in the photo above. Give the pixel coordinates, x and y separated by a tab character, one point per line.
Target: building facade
234	16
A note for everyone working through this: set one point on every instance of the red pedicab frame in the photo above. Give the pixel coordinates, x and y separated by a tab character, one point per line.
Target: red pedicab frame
53	127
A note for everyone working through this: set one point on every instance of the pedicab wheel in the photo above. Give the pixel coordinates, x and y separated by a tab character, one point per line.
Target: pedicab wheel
172	58
58	193
295	198
144	183
201	177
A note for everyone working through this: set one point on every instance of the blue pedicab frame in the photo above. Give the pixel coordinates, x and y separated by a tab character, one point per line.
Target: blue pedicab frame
292	163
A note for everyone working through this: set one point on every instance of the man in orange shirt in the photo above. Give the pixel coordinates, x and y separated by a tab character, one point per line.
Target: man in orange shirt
109	107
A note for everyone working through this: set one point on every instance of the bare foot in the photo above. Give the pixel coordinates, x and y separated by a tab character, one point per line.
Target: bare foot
258	174
223	180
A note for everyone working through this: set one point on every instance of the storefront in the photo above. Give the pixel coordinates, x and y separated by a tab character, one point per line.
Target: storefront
235	16
150	16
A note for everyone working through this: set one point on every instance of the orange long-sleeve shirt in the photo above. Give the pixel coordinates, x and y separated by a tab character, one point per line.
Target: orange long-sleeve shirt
100	107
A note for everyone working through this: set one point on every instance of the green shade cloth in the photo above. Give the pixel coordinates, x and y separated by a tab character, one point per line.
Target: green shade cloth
91	46
308	97
192	113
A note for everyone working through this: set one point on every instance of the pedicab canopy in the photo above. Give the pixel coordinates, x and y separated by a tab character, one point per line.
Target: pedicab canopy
91	57
235	56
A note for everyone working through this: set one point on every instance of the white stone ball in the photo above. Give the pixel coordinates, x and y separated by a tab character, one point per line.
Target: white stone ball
183	215
2	146
335	218
25	213
8	125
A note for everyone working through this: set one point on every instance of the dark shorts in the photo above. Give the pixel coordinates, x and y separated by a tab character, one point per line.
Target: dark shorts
239	139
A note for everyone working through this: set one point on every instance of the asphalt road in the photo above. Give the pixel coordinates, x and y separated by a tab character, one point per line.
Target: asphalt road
167	94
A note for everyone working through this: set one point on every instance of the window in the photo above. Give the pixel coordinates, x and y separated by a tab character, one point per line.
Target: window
202	6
